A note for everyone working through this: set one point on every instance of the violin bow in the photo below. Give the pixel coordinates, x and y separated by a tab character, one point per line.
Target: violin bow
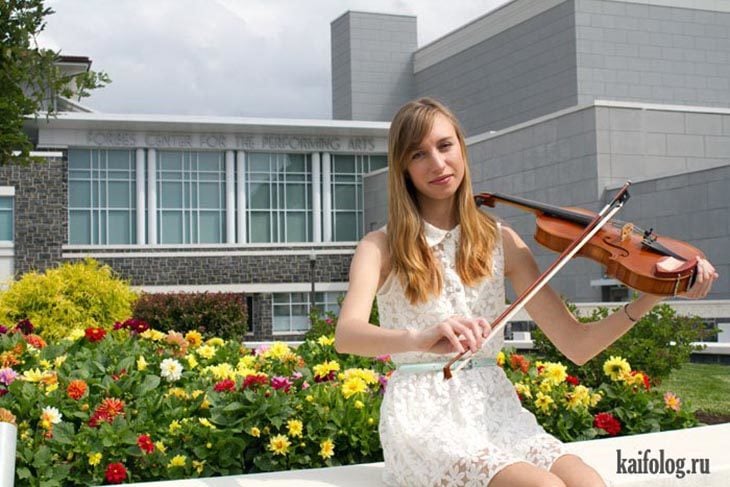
591	229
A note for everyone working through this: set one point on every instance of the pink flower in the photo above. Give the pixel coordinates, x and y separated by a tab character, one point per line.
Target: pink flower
7	376
280	383
305	385
383	358
261	349
296	375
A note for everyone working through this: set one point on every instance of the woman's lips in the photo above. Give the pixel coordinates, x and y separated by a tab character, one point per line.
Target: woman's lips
442	180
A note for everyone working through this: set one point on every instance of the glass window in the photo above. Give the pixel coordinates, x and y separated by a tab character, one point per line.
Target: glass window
279	193
347	193
101	196
290	311
6	218
191	196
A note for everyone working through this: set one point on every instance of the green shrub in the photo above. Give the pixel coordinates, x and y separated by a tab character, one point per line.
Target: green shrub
221	314
323	323
660	342
69	297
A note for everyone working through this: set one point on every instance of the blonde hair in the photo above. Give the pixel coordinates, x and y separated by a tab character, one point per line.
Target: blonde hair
411	258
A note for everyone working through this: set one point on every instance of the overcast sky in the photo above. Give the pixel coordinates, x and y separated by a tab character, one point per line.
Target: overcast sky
250	58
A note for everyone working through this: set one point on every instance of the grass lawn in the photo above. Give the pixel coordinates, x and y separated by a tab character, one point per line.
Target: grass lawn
705	386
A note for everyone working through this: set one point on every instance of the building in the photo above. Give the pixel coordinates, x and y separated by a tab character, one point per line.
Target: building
562	101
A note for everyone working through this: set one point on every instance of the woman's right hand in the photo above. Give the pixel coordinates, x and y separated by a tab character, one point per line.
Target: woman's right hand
453	335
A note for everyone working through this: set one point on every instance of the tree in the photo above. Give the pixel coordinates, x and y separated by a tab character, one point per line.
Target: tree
30	79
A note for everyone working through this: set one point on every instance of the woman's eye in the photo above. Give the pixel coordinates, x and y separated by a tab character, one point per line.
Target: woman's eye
417	155
446	145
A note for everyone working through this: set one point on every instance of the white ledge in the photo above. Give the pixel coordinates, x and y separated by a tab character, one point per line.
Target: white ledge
707	442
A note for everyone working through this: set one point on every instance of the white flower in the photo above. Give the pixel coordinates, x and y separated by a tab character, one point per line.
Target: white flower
51	414
171	369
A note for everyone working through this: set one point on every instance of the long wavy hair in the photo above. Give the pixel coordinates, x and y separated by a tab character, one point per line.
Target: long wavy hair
411	258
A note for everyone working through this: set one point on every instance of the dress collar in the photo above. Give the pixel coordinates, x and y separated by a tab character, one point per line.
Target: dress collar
435	235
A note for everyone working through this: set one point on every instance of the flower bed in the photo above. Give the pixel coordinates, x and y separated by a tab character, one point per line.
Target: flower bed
134	404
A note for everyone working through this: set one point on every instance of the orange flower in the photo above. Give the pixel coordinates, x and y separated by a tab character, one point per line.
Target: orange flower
76	389
175	338
111	407
8	359
6	416
35	341
517	361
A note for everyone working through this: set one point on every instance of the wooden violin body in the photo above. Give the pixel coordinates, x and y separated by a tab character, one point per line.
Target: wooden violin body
641	260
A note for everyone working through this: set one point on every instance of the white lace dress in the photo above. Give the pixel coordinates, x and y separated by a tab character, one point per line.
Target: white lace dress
463	431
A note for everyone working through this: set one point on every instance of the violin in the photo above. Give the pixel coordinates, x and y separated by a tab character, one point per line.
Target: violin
638	258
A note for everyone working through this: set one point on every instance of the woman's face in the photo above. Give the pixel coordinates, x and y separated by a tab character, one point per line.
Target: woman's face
436	166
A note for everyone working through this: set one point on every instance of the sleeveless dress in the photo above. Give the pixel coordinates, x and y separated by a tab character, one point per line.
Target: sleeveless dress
463	431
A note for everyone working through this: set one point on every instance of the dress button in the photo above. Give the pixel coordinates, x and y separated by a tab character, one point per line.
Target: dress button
448	235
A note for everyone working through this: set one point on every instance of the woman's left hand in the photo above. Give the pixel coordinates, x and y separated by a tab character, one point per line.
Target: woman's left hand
706	275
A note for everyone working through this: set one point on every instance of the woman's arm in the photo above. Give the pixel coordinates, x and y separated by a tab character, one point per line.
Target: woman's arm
578	341
354	334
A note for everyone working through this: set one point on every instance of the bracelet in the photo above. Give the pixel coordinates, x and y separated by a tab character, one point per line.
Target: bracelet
626	312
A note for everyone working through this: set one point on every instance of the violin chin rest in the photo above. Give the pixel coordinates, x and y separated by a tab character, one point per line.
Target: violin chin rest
671	267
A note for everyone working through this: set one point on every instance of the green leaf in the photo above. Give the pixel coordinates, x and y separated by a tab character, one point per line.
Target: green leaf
150	383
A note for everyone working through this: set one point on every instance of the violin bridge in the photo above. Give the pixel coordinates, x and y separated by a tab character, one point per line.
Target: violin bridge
626	231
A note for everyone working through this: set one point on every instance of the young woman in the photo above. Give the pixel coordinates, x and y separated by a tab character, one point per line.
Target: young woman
437	272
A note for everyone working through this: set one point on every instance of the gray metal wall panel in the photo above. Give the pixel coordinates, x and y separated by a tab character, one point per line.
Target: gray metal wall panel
651	53
378	51
519	74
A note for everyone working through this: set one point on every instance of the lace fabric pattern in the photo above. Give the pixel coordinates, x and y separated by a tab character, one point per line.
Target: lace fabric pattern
460	432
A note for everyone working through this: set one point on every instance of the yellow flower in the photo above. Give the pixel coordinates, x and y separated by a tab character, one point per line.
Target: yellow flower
192	361
555	373
371	421
33	375
543	402
255	432
153	335
277	350
295	428
523	390
353	386
326	341
205	422
595	399
500	359
198	466
279	444
546	386
45	364
220	371
94	459
580	397
309	398
141	363
366	375
174	426
246	362
323	369
58	362
359	405
196	393
194	338
615	366
216	342
326	449
160	446
206	351
177	461
177	392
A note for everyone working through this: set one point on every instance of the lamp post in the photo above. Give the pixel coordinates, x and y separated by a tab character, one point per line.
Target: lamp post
312	265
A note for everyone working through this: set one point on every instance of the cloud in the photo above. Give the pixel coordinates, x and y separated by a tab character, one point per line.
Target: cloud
256	58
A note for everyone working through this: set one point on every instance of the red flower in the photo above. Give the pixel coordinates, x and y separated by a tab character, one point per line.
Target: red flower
608	423
645	377
106	411
225	385
76	389
572	380
254	380
145	443
121	374
95	334
115	473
